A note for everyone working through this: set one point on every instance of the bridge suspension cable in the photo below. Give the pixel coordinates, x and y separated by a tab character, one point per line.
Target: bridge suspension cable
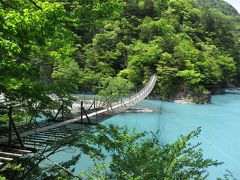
118	106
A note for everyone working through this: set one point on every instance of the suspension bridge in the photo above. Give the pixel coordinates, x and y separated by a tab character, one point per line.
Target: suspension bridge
16	144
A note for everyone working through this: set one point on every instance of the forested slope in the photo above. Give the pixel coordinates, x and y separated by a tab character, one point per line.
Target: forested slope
59	47
191	49
221	5
52	48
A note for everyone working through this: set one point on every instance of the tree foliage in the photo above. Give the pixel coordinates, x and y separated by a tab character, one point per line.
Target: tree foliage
130	155
222	6
140	156
52	48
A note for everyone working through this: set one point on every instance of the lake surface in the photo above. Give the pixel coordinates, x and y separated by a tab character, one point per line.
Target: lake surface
219	121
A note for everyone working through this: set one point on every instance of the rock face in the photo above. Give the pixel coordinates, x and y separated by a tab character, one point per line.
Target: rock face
200	98
188	96
203	98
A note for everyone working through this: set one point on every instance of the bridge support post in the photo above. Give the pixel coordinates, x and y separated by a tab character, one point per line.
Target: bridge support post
95	106
122	103
62	112
12	124
81	111
9	131
130	100
92	104
60	109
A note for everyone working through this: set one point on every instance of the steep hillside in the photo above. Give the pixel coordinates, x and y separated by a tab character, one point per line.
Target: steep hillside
100	45
221	5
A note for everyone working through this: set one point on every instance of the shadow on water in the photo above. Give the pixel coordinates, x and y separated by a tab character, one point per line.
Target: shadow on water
230	92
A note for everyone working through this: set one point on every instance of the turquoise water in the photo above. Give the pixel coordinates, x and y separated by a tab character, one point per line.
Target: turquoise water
219	121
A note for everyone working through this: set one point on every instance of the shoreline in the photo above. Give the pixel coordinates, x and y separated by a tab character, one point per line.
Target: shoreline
182	101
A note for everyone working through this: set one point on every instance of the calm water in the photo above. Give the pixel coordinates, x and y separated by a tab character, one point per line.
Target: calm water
220	123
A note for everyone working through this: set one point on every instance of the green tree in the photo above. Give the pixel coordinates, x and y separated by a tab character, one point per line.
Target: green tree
31	51
150	29
142	60
132	156
140	156
115	88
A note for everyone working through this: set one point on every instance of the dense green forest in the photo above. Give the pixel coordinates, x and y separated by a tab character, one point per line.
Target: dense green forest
220	5
56	48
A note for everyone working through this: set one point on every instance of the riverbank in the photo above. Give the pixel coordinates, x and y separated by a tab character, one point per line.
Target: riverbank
197	98
183	101
234	90
219	121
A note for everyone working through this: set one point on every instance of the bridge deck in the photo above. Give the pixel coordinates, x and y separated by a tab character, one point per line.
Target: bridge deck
117	106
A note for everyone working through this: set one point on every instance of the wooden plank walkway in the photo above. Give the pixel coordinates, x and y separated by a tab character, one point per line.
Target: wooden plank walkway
8	154
117	106
43	136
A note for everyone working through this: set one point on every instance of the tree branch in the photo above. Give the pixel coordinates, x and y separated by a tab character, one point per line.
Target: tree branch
34	3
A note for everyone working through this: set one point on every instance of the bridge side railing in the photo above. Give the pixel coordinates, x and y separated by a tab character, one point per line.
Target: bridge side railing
125	103
142	94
